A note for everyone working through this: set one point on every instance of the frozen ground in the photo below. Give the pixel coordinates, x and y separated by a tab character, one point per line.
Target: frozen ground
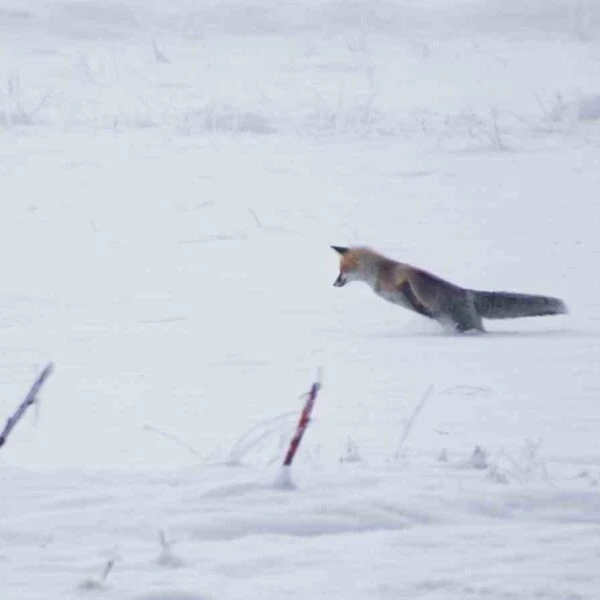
170	180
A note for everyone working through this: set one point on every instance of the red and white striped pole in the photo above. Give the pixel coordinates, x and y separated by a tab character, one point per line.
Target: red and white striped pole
303	422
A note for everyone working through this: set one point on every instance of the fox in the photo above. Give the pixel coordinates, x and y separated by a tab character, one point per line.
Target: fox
462	309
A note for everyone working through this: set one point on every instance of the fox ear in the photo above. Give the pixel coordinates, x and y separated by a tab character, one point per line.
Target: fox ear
340	249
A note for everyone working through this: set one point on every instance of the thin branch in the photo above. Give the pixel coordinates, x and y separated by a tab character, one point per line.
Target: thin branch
409	424
173	438
30	399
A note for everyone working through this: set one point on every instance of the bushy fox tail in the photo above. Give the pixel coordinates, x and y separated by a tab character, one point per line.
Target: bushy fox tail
508	305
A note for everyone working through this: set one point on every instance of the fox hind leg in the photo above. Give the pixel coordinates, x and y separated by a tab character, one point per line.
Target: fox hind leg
463	316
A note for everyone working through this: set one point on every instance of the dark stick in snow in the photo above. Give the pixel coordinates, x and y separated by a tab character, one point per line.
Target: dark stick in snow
303	422
27	402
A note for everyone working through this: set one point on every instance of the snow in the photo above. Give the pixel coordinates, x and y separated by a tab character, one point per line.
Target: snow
172	176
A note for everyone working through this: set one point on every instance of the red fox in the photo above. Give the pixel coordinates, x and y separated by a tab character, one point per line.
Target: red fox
434	297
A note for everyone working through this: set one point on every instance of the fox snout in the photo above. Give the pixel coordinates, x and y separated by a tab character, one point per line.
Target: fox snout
341	280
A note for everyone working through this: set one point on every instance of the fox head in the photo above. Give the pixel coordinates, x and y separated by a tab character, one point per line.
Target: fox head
355	265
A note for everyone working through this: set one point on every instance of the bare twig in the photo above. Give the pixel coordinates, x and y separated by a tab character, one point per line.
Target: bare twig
256	219
30	399
254	436
411	421
173	438
107	569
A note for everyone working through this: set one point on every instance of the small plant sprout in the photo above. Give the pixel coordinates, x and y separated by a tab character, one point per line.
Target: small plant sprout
352	454
100	582
159	55
166	557
479	458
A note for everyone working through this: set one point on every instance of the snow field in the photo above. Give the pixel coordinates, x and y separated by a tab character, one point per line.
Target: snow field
171	180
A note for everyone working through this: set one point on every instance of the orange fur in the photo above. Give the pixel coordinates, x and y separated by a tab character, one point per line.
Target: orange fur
352	259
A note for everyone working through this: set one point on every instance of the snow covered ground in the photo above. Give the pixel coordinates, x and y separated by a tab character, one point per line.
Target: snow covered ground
171	177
